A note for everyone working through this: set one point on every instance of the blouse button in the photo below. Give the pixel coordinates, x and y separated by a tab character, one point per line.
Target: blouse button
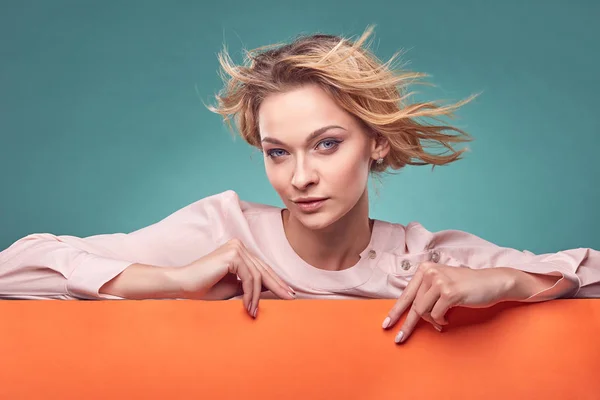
405	265
434	256
372	254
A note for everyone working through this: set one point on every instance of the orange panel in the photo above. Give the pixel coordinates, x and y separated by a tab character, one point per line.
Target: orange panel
309	349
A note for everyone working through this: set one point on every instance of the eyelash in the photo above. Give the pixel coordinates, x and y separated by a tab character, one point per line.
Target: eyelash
335	142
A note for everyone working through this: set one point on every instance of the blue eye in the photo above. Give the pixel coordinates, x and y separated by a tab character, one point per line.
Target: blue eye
274	153
329	144
326	144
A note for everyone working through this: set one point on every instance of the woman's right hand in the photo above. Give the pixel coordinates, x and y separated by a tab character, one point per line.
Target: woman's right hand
215	277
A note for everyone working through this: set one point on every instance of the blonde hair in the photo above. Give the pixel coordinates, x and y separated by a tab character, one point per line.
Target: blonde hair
372	91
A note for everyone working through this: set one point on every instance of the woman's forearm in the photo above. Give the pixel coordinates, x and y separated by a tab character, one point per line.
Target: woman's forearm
141	281
525	285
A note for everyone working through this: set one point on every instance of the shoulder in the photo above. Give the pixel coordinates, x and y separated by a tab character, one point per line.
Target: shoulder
231	217
229	205
400	239
419	237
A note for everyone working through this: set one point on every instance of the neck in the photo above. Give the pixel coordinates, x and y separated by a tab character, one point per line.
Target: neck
337	246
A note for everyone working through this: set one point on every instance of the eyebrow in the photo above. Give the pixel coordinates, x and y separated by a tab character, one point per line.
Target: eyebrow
310	137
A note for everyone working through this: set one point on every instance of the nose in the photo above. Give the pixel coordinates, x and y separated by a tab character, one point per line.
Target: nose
304	175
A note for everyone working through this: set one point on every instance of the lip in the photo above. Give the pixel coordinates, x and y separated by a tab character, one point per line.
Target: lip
310	204
308	199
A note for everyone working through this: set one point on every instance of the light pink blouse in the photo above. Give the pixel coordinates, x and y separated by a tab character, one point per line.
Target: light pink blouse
43	265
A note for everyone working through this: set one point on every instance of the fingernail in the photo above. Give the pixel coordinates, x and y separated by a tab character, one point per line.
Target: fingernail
292	290
439	328
386	322
249	305
292	294
255	312
399	337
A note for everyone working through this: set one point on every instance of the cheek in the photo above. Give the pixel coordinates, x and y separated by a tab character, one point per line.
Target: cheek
352	172
276	178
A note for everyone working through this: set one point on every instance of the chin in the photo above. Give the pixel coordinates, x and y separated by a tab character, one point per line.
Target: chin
316	221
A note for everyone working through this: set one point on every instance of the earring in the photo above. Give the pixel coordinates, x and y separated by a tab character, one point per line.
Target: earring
379	161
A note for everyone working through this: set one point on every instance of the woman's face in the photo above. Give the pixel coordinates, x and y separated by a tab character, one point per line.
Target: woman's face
315	150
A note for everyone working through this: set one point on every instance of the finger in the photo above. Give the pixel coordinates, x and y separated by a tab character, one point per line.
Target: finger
280	281
243	271
229	286
412	318
404	301
256	281
439	311
273	283
435	324
425	304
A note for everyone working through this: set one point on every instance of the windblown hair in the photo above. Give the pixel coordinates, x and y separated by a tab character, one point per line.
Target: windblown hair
370	90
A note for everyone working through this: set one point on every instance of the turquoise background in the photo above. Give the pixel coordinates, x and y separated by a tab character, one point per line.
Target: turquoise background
103	128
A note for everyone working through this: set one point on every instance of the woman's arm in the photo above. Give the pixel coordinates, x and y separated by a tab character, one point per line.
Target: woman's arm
141	281
43	265
568	273
523	285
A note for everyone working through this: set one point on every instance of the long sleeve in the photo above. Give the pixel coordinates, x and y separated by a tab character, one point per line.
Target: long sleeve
578	269
43	265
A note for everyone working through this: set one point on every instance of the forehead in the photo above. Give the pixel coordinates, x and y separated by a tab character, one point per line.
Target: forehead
298	112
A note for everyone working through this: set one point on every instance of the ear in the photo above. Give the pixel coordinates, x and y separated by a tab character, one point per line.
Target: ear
380	147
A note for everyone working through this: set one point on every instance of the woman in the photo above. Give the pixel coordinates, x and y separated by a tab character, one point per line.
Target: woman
325	113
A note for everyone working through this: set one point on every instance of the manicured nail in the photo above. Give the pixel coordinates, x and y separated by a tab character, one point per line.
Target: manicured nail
292	290
249	305
399	337
386	322
255	312
439	328
292	294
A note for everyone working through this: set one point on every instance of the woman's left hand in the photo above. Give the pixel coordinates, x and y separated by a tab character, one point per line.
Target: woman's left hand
435	288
